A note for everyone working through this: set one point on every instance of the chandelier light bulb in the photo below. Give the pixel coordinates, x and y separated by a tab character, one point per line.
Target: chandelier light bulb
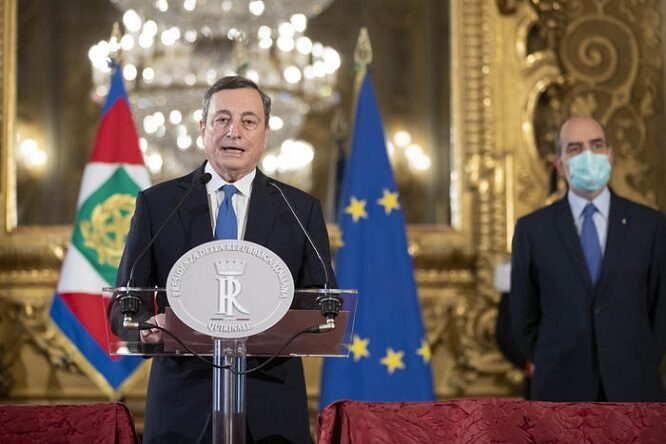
265	43
256	7
285	43
264	32
148	74
304	45
299	22
149	125
402	138
319	68
317	49
190	36
129	72
331	59
145	40
269	163
286	29
292	74
275	123
253	75
189	5
101	91
154	162
190	79
150	28
127	42
131	20
184	141
162	5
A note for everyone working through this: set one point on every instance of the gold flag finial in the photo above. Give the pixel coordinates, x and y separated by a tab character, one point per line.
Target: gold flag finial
363	51
115	53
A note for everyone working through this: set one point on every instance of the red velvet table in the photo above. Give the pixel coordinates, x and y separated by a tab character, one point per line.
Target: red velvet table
71	424
492	420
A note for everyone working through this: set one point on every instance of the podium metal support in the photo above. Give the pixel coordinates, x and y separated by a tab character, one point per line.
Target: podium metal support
229	423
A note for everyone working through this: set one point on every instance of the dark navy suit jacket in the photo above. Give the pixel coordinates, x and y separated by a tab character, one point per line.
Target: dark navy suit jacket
582	336
179	395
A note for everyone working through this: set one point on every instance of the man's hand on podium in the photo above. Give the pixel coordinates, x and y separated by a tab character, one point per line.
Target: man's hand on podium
154	335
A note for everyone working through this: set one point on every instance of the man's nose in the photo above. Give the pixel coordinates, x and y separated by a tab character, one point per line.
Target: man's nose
232	130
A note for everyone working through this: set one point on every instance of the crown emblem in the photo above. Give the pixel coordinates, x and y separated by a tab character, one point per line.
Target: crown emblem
230	267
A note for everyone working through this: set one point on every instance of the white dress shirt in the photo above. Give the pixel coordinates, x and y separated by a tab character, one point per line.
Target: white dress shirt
240	201
600	217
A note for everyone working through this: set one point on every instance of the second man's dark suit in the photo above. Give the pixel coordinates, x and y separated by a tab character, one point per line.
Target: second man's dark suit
581	336
179	396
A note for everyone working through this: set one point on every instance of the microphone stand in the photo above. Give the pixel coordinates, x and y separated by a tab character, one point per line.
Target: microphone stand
328	304
130	302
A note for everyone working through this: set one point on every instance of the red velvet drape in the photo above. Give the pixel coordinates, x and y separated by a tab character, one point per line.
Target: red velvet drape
71	424
492	421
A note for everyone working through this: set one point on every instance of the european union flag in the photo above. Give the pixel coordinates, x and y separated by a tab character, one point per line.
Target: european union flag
390	357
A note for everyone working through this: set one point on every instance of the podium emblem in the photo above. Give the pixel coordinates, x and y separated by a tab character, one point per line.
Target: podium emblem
230	288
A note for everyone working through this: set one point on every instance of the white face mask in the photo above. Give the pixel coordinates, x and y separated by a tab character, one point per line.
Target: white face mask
589	171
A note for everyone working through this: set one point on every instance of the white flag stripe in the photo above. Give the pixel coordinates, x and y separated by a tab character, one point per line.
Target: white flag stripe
96	173
78	276
139	174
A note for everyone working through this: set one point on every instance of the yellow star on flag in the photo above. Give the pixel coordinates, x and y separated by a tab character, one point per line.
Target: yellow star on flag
393	360
389	201
359	347
357	209
424	351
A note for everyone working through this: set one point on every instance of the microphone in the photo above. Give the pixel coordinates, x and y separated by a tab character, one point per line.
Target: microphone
130	302
328	304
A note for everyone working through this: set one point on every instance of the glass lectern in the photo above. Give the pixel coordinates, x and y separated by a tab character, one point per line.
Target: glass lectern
228	416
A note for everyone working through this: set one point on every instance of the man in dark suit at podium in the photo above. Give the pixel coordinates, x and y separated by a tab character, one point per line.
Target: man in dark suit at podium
234	128
588	283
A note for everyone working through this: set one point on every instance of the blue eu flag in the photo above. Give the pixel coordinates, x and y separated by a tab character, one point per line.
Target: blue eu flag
389	356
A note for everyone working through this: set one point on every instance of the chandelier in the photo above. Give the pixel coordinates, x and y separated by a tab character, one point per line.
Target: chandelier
174	50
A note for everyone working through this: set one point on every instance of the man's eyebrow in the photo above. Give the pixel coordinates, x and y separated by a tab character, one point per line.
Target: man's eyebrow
226	111
250	113
598	139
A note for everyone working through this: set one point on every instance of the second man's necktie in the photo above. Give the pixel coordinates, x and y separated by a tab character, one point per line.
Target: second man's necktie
589	239
226	226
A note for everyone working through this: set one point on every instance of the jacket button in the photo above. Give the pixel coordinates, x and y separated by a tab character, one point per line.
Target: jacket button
597	311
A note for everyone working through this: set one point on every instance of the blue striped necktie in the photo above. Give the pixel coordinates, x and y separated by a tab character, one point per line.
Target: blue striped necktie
226	226
589	239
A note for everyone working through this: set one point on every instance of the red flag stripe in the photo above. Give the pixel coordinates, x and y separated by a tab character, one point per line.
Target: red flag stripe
117	140
90	310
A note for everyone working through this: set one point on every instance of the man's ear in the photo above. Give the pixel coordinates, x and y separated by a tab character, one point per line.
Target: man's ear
611	158
561	168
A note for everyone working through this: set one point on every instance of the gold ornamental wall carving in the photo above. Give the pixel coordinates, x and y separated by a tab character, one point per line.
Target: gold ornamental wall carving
517	68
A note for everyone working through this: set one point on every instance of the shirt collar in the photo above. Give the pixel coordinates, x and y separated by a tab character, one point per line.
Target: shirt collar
244	185
601	202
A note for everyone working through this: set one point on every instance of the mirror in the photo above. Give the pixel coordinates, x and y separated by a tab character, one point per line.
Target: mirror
59	97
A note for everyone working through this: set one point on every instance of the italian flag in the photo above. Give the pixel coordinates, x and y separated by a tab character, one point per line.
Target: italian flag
111	180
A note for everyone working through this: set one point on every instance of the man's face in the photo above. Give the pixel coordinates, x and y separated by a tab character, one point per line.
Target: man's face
577	135
234	133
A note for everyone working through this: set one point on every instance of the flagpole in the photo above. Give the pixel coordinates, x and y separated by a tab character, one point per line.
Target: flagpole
115	50
362	58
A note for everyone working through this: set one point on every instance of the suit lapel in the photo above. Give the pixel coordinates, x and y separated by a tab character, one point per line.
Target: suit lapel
566	230
263	210
194	214
617	223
